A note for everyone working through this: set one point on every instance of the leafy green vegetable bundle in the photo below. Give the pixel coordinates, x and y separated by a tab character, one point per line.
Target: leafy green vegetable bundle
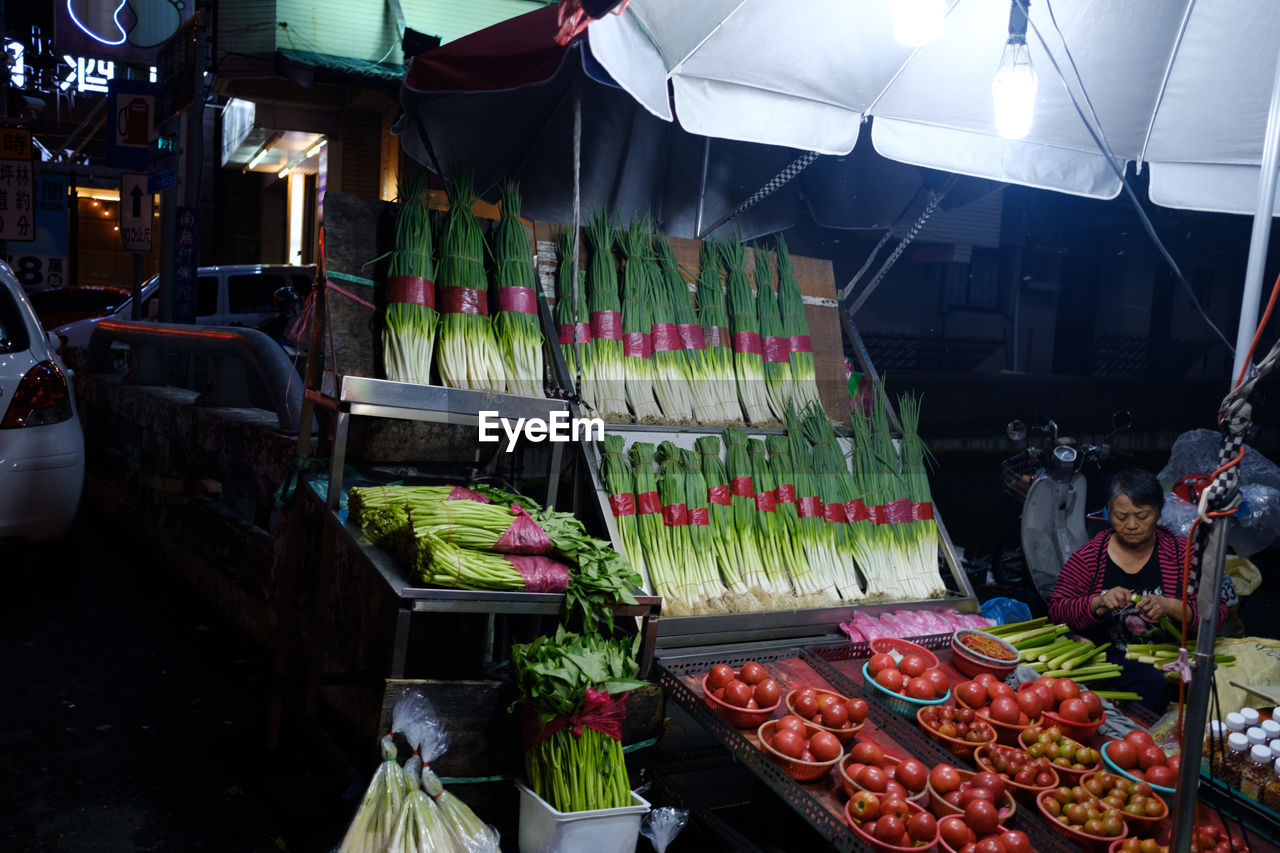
608	373
804	382
516	323
573	698
574	327
637	326
748	347
718	352
409	333
777	348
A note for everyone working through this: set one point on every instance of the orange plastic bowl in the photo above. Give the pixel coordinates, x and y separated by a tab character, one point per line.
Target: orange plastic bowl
1076	731
743	718
955	745
875	844
890	645
843	734
941	808
982	757
947	848
1141	824
851	787
801	771
1084	840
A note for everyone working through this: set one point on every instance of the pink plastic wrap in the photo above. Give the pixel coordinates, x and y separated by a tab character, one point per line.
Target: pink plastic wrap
524	536
462	494
541	574
855	636
894	626
868	626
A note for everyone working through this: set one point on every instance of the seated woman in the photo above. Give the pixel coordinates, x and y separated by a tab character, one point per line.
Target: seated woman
1094	595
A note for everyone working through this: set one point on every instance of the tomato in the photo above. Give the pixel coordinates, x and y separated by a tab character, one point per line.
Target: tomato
920	688
856	709
1123	753
1093	703
872	778
922	826
939	678
1174	763
989	845
825	746
912	774
985	678
944	778
867	752
864	805
954	831
972	694
895	807
805	705
1140	738
880	662
1004	710
894	788
752	673
991	781
737	693
890	679
970	794
1064	689
1163	776
1151	756
998	688
1029	703
1074	710
912	666
1016	841
719	676
834	716
824	699
888	829
982	817
792	723
788	743
767	693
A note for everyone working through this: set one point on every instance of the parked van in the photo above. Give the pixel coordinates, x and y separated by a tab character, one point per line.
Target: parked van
229	295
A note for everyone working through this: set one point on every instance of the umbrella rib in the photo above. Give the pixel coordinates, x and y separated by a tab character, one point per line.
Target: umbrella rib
1164	82
889	84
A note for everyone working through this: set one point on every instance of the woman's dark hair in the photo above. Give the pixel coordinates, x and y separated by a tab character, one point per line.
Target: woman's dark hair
1139	486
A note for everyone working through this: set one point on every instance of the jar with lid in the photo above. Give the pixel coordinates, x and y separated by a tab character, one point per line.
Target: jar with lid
1275	749
1275	713
1271	796
1271	727
1258	771
1235	722
1234	760
1256	735
1251	716
1214	744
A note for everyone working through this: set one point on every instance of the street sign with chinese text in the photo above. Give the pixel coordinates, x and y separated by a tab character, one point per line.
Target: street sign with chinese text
135	212
17	220
185	250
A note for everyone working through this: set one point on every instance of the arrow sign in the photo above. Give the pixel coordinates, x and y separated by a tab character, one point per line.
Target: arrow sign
135	212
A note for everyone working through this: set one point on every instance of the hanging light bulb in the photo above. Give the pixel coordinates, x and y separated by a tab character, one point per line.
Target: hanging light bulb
917	22
1013	90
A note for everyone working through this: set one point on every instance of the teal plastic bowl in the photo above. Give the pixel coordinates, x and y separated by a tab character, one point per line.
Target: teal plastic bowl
1115	768
903	705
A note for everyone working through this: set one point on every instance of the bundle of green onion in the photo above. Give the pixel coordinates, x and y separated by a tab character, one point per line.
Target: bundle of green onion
724	533
637	326
748	348
442	563
468	355
837	488
576	766
811	566
671	370
620	485
519	332
879	558
698	579
778	556
572	324
702	396
747	528
409	333
718	355
608	373
777	348
804	382
921	533
663	566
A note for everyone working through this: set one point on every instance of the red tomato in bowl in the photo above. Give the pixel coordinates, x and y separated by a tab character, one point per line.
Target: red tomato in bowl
912	666
737	693
1123	753
920	688
940	683
912	774
880	662
955	831
788	743
825	746
890	679
752	673
867	752
1074	710
856	710
719	676
944	778
1093	703
1004	710
767	693
1064	689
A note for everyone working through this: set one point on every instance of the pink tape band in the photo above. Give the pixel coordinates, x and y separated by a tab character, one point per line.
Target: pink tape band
606	325
665	337
691	336
520	300
567	331
411	290
748	342
464	300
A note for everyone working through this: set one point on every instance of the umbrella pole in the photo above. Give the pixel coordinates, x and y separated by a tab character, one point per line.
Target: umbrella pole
1261	231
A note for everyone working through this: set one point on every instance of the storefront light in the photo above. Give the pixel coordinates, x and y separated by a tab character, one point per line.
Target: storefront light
1013	90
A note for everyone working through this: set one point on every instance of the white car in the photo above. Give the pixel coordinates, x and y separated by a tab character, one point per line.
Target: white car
41	443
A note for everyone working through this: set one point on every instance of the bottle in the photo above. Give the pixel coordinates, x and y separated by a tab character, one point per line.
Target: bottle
1272	728
1235	722
1275	713
1271	796
1257	737
1234	760
1257	772
1214	744
1251	716
1275	749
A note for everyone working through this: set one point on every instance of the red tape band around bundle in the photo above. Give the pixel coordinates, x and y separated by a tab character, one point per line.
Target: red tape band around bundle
648	503
461	494
876	511
598	712
411	290
637	345
520	300
800	343
665	337
898	512
922	511
540	574
742	487
567	331
786	494
524	536
691	336
766	502
623	503
719	495
716	336
777	349
700	517
748	342
464	300
675	515
809	507
606	325
856	510
834	513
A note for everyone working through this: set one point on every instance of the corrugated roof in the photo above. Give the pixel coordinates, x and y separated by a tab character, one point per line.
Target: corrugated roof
385	72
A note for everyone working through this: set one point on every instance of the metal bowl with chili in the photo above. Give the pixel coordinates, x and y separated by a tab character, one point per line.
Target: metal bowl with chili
986	647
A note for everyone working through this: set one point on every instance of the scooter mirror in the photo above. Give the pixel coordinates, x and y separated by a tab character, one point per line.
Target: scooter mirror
1016	430
1121	420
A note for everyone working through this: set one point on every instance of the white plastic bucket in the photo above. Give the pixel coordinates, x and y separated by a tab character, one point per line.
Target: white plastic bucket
545	830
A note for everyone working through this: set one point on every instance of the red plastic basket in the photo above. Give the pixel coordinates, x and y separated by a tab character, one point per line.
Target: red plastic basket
890	645
801	771
743	718
875	844
1083	840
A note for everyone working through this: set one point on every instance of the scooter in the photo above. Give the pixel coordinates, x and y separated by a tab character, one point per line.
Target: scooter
1049	477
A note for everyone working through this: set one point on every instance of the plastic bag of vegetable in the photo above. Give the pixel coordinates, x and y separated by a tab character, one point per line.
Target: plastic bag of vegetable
421	826
662	825
374	822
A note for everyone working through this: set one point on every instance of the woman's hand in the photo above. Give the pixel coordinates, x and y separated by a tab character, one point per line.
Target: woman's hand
1152	607
1109	600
